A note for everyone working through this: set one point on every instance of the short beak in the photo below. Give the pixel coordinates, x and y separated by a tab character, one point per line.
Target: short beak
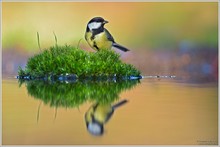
105	21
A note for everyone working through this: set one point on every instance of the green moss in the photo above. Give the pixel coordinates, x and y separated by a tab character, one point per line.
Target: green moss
61	94
60	60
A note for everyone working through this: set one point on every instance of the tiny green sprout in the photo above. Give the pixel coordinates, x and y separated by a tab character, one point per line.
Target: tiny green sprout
38	40
79	43
55	37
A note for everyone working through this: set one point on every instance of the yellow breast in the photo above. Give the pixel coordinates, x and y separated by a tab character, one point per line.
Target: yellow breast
102	112
100	40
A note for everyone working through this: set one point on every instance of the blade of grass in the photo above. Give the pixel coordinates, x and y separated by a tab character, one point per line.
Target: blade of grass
38	112
55	38
55	116
38	40
79	43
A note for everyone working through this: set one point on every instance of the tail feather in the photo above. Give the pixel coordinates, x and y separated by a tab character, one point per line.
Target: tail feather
120	47
119	104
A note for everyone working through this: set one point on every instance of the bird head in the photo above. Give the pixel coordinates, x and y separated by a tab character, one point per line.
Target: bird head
95	128
96	23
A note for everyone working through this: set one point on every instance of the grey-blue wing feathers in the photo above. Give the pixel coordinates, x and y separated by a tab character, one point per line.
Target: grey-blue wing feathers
119	104
109	36
118	46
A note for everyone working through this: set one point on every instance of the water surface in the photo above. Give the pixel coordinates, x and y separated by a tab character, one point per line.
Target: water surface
158	112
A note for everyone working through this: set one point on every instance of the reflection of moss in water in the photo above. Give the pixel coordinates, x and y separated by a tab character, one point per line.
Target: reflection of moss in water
59	94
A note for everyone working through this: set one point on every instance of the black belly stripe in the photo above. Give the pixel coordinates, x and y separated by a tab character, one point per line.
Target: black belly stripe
96	32
92	37
95	45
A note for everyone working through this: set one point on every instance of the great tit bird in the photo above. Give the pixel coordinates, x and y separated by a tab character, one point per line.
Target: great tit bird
98	37
99	114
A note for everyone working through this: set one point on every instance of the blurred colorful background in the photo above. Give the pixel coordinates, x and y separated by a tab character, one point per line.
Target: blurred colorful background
165	38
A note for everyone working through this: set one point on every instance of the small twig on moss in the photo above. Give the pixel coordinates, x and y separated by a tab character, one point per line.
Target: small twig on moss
55	38
55	116
38	111
79	43
38	40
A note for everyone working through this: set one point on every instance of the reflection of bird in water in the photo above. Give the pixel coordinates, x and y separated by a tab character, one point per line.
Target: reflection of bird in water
98	115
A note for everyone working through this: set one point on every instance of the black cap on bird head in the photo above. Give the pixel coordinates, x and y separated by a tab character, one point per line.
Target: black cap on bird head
98	19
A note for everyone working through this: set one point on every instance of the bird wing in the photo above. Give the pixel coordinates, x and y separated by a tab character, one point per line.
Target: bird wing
109	36
119	104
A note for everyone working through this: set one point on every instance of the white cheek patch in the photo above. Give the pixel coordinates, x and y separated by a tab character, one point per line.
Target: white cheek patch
94	128
94	25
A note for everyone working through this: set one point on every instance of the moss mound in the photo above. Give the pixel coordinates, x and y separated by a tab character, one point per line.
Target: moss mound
68	60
